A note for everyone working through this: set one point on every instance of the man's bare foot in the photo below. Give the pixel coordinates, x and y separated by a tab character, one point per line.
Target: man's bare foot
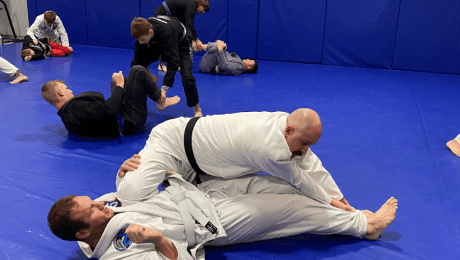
165	102
377	223
19	78
454	146
162	67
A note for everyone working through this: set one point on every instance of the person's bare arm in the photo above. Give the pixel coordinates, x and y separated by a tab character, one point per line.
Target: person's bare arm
139	234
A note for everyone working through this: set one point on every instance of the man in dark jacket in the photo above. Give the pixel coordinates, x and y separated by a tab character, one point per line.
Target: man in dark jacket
166	36
124	112
185	11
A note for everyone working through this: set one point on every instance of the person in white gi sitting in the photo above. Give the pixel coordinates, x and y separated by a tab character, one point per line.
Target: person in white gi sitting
176	222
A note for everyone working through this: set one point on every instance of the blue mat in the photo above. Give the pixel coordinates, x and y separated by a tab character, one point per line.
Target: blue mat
384	134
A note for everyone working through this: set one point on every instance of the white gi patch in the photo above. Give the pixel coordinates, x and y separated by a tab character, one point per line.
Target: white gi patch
121	241
113	203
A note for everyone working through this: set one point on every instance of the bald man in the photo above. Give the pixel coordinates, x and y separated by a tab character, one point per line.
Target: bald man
454	145
233	145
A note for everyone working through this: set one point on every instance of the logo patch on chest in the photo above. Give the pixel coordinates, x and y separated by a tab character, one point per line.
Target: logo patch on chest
121	241
113	203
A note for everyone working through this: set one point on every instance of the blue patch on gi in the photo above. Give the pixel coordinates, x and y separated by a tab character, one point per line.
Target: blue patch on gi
113	203
121	241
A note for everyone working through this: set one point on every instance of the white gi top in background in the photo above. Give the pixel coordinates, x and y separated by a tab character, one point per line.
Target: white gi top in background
39	29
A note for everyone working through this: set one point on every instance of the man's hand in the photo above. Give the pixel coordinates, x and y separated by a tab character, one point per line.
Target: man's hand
195	46
119	79
220	45
139	234
200	45
70	48
344	201
340	205
35	41
170	173
129	165
28	58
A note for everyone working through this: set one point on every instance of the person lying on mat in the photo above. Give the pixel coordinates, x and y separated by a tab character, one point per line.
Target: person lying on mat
44	48
454	145
233	145
218	60
177	222
124	112
12	71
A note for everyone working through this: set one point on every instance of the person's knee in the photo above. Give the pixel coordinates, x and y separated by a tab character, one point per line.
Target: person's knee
57	53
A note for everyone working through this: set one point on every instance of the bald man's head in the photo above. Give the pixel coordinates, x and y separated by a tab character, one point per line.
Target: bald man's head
303	128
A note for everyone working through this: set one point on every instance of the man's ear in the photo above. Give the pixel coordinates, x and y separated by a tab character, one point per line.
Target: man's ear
59	92
82	234
289	130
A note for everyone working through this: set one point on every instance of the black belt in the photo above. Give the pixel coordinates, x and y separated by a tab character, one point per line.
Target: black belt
188	147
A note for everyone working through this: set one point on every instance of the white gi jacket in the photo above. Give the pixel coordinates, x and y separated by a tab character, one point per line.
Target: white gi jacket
233	145
162	214
39	29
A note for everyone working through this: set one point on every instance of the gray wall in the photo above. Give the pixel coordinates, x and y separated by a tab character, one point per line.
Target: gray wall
19	17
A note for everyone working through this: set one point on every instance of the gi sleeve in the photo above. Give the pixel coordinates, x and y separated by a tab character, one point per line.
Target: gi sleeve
62	32
35	27
37	56
145	54
189	20
212	47
142	183
291	172
229	65
91	110
310	164
155	255
27	41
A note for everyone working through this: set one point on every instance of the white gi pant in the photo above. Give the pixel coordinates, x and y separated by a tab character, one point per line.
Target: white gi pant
7	67
258	207
252	207
457	138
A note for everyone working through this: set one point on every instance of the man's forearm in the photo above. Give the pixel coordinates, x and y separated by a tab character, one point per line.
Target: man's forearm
166	247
